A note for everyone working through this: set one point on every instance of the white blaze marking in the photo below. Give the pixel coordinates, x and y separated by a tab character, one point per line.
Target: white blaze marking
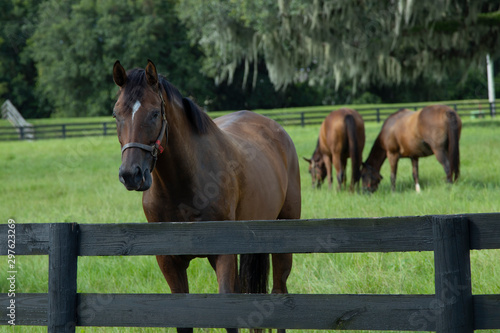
136	107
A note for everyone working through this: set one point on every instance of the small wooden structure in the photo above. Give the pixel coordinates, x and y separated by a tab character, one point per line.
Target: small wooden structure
25	129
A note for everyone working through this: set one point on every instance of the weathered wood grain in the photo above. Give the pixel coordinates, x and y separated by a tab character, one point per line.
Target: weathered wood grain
484	231
486	312
30	309
170	310
62	277
302	236
452	309
453	275
31	238
376	312
283	236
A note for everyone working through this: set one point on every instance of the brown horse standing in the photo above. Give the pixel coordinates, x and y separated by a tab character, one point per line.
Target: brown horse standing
433	130
342	135
243	166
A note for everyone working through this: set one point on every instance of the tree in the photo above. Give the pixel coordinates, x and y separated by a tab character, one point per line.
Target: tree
363	42
76	43
17	69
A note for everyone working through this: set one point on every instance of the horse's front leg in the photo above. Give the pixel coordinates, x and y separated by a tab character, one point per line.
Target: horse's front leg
226	269
174	269
414	163
393	161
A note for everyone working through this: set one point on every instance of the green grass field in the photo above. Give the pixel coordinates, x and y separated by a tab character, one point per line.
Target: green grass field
76	180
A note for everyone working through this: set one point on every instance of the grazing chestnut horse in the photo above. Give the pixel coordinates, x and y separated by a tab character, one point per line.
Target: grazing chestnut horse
342	135
242	166
433	130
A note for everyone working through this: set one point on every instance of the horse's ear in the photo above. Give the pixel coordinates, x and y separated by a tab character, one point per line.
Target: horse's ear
307	160
119	74
151	74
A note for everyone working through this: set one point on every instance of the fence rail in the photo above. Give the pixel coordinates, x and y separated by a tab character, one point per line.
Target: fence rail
57	131
452	308
303	117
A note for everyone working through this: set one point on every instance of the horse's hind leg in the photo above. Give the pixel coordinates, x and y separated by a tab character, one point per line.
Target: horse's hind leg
442	157
226	269
414	163
282	262
339	162
291	209
282	265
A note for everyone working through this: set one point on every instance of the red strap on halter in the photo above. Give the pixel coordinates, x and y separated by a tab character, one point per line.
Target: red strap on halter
158	144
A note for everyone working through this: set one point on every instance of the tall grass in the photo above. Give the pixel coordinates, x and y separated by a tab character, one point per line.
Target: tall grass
76	180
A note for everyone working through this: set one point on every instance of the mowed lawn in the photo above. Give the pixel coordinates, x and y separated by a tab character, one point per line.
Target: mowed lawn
76	180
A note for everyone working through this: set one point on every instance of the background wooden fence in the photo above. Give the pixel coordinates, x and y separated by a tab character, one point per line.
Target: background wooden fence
302	117
452	309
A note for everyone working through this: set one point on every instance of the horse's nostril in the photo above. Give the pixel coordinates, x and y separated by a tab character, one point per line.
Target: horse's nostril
131	177
138	175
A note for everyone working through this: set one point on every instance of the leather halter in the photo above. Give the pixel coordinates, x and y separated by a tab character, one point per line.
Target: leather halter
156	148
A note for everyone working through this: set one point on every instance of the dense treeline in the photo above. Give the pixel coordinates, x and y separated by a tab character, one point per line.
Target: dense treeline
56	58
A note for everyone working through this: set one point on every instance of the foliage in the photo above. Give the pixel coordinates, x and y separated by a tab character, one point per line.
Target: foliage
363	42
17	68
56	55
76	44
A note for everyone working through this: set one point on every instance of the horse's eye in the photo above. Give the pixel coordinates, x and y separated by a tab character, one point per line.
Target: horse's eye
156	114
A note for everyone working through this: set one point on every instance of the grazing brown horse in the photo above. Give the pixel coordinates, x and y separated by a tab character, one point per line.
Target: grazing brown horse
242	166
341	135
433	130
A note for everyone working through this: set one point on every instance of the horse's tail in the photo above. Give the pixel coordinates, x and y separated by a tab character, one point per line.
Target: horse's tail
453	145
254	272
352	139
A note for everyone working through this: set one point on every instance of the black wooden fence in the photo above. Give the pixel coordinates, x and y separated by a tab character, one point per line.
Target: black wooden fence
57	131
301	117
377	114
452	309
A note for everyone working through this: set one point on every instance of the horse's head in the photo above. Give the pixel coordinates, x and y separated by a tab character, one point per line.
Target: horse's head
370	178
140	123
317	169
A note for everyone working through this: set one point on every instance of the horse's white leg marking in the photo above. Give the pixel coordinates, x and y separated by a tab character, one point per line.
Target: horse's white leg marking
136	107
417	187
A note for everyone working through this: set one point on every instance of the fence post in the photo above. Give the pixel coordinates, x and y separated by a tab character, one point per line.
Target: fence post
105	129
454	307
492	109
21	133
378	115
63	258
302	119
64	131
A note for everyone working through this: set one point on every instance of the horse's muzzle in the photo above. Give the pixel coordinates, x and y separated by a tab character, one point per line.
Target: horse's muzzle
135	178
369	189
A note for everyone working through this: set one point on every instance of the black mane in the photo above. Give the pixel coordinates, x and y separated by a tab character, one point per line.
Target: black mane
134	90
